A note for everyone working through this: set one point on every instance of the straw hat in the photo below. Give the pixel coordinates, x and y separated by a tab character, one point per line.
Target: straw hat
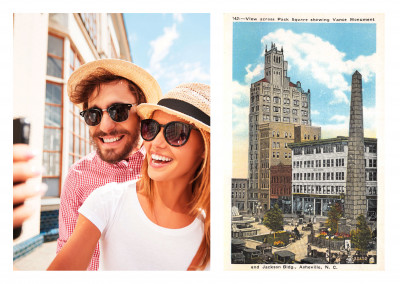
125	69
190	101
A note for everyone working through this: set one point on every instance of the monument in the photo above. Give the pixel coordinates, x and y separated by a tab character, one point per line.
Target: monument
355	199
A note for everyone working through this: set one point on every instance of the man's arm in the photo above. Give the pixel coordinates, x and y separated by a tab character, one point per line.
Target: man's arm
78	251
68	213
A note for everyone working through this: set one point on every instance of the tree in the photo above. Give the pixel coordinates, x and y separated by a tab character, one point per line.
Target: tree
334	215
273	219
362	235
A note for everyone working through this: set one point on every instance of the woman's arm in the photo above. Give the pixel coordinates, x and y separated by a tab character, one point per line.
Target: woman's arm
77	252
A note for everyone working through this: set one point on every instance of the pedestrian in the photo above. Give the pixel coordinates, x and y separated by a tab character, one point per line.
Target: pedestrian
162	221
108	92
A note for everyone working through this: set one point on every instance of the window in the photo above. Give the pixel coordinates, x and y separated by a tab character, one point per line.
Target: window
339	148
308	150
297	151
52	137
90	22
328	148
55	51
53	122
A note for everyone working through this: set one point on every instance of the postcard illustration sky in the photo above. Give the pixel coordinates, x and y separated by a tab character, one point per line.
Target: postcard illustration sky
322	57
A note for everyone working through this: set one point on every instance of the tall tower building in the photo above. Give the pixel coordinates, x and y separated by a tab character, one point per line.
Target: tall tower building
279	114
355	199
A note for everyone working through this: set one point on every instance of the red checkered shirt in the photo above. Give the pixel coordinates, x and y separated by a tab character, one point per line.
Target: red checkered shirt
84	177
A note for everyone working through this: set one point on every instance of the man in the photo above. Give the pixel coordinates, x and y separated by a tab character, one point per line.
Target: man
108	91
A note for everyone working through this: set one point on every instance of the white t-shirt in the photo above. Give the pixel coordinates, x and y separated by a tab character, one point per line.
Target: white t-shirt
129	240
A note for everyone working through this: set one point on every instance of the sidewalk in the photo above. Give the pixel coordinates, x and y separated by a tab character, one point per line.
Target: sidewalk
38	259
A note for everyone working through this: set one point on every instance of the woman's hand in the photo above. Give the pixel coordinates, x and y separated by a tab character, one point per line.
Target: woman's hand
23	170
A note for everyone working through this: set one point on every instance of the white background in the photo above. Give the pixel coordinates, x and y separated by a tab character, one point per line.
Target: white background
221	151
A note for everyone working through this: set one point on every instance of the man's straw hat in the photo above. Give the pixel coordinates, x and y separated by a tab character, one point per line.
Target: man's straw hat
190	102
122	68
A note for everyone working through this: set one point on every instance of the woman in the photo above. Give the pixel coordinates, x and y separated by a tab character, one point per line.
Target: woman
162	221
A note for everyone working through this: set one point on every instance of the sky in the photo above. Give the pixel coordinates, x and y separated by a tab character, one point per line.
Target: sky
322	57
173	48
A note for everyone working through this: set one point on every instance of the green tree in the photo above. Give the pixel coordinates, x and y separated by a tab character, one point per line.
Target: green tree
334	215
362	235
273	219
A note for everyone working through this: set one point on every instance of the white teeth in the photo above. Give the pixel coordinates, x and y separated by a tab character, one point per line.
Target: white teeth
160	158
110	140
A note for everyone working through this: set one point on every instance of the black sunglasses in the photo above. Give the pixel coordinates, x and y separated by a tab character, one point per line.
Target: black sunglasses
118	112
176	133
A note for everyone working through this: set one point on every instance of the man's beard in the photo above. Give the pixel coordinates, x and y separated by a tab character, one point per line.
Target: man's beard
111	155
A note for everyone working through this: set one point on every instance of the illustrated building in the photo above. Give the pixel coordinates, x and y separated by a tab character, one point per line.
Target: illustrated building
279	114
320	175
47	48
239	194
281	187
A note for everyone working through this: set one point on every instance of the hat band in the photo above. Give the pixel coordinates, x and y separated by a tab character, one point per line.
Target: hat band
186	108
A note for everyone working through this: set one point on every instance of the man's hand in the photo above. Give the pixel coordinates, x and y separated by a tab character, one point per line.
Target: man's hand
23	170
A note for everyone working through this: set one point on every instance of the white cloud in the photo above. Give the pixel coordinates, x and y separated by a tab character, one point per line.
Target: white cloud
178	72
178	17
240	109
308	52
160	47
240	93
334	130
315	112
257	71
184	72
370	118
240	121
341	127
339	118
339	97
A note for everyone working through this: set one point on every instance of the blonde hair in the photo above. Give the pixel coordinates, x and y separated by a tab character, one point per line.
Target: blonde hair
199	204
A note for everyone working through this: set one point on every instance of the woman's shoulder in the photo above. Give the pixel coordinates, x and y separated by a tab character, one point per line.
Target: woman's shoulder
112	191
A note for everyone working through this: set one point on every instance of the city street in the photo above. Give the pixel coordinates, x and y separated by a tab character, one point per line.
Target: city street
299	247
39	259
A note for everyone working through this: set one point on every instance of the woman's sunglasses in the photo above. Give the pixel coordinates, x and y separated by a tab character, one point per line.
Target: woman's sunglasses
118	112
176	133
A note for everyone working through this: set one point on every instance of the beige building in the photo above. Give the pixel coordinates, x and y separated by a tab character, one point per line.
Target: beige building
47	49
279	114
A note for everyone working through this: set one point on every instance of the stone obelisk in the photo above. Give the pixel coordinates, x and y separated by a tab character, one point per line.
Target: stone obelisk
355	199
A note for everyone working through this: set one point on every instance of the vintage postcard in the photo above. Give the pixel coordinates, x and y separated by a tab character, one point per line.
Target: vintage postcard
305	191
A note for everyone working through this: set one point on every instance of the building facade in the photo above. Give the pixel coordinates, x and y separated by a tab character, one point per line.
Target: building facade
239	194
319	172
281	187
47	49
278	110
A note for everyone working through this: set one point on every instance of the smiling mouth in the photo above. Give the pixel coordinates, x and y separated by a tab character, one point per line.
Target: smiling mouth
110	140
160	159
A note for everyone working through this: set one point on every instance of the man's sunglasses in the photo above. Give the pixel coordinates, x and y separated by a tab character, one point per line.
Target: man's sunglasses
118	112
176	133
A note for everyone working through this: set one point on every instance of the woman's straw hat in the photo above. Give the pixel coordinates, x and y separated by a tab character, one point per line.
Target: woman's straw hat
190	101
122	68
